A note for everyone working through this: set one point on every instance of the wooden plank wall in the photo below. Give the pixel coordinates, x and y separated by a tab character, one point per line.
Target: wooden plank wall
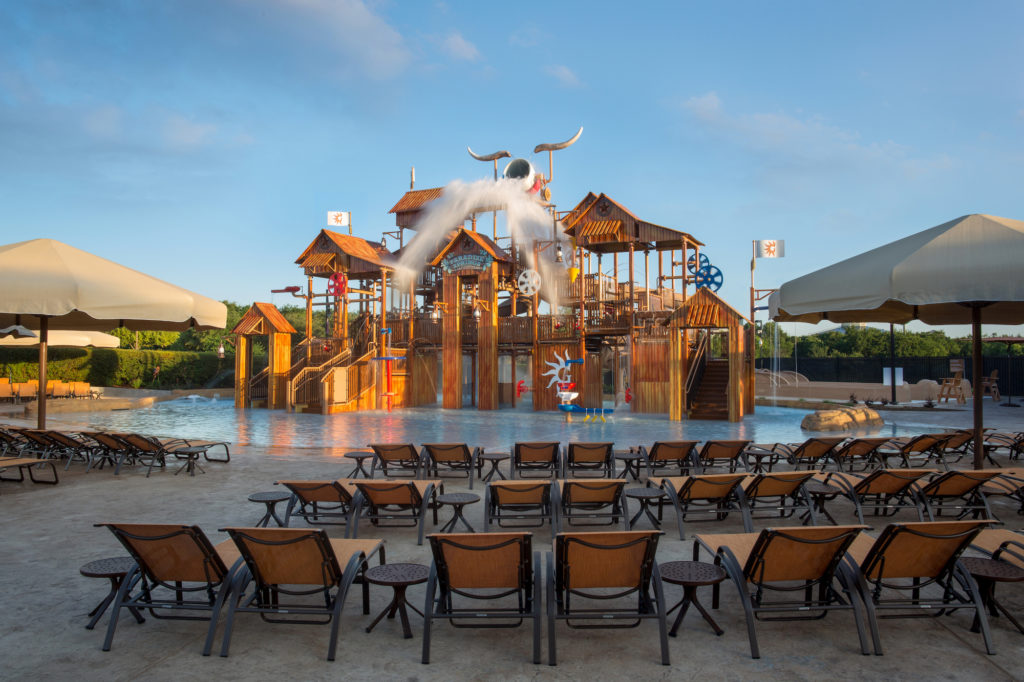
592	390
361	386
739	384
676	375
280	353
650	379
424	379
452	344
544	398
243	366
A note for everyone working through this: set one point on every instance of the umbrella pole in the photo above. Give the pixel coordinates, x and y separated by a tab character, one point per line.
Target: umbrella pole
979	441
44	332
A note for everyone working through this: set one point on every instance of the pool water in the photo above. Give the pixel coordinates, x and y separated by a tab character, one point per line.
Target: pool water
201	418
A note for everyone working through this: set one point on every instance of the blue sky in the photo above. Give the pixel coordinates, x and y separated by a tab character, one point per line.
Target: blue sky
204	141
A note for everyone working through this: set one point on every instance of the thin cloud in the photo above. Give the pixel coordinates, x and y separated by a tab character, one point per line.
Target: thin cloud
564	75
183	134
528	36
457	47
103	122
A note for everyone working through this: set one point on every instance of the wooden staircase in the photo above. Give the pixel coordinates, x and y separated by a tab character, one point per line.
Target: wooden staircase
711	398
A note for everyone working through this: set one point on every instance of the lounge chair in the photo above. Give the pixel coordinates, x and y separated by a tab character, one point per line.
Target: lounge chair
23	464
26	391
149	448
709	495
883	492
177	569
718	454
1009	483
858	453
589	457
396	459
12	442
1003	546
69	446
483	567
455	457
960	492
584	566
1000	543
952	387
917	451
321	503
667	455
530	458
602	502
395	503
1013	443
811	454
913	569
779	493
517	504
7	392
281	563
113	450
801	565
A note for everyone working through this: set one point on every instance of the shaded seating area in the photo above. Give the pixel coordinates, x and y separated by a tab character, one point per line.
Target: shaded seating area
395	503
178	572
485	580
789	574
518	504
708	496
589	502
531	459
613	568
321	503
297	576
914	570
453	457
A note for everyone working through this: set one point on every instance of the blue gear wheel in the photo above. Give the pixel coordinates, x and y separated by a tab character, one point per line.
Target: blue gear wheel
709	276
691	263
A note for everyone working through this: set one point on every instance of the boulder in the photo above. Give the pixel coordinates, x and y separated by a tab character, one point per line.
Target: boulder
842	419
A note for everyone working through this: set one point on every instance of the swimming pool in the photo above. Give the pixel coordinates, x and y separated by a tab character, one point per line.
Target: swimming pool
201	418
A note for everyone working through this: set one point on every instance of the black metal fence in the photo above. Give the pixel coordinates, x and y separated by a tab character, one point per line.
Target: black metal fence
869	370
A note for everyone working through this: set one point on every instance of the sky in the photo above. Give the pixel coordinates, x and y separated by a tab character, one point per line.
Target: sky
203	141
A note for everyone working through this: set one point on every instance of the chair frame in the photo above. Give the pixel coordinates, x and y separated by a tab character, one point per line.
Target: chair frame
523	462
464	460
572	464
401	456
414	509
728	497
809	453
789	487
960	491
654	459
440	603
532	514
871	491
566	507
734	449
317	502
863	449
560	590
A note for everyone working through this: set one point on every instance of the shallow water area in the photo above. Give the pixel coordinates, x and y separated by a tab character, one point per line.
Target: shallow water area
279	431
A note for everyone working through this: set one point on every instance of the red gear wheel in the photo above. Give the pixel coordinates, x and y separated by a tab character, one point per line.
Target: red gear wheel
337	284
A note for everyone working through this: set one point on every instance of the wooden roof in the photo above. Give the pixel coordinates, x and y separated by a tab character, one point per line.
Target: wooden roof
483	241
333	251
415	199
589	221
705	309
263	318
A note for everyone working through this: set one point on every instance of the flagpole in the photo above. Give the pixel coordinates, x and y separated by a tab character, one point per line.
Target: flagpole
753	259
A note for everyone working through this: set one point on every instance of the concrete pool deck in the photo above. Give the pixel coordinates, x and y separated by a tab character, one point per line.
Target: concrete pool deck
49	533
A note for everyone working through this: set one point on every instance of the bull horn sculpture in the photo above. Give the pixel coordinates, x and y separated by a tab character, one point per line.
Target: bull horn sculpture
555	146
496	155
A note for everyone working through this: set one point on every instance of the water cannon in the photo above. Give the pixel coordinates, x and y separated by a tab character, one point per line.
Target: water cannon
523	171
286	290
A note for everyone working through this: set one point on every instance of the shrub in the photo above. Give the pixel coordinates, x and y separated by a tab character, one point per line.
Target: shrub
113	367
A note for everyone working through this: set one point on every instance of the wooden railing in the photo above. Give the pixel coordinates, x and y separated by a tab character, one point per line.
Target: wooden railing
304	388
259	385
698	364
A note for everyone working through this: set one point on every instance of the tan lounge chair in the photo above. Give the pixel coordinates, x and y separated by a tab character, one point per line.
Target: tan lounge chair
857	453
517	504
483	567
589	457
286	563
719	454
960	492
585	566
531	458
321	503
395	503
23	464
396	459
669	454
455	457
712	496
802	566
883	492
601	502
778	494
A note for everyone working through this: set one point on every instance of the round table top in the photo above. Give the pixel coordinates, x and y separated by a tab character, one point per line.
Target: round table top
627	455
113	567
818	488
496	456
695	573
272	496
359	454
458	498
645	493
397	574
993	569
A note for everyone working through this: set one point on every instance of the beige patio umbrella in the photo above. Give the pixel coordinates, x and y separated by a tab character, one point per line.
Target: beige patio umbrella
62	287
62	337
959	272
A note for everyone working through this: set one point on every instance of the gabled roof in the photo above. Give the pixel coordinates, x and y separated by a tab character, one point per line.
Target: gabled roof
347	244
601	209
263	318
415	199
481	240
705	309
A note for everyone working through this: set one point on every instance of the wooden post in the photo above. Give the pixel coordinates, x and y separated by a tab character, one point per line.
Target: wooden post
487	339
647	278
581	379
632	293
676	375
279	357
383	311
535	365
44	331
451	343
242	367
309	319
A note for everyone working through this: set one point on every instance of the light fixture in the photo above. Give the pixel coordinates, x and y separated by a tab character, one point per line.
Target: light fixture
558	253
220	350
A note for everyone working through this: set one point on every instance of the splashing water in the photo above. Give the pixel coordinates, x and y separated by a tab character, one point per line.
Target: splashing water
525	218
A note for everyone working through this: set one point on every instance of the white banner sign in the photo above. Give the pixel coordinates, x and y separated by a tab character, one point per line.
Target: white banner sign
770	248
339	218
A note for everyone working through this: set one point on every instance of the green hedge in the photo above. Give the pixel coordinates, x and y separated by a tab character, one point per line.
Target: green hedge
114	367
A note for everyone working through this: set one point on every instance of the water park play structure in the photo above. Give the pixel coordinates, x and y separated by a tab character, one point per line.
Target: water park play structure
491	320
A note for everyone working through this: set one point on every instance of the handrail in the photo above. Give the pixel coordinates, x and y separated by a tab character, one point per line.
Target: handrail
697	367
311	376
